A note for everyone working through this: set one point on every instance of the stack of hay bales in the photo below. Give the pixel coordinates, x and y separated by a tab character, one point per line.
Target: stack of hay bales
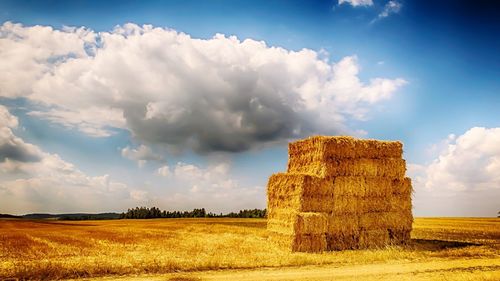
340	193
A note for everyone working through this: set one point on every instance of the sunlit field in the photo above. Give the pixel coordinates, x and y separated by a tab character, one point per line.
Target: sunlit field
468	249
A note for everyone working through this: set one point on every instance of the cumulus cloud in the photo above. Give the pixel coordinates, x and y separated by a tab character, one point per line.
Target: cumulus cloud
13	148
28	53
142	154
32	180
44	182
464	179
211	187
165	87
356	3
215	176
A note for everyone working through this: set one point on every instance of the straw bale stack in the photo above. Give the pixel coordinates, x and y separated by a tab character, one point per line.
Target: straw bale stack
340	193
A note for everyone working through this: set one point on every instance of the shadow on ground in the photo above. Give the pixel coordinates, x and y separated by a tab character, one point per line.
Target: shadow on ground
438	245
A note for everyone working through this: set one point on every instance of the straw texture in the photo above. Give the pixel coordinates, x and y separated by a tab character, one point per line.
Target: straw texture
340	193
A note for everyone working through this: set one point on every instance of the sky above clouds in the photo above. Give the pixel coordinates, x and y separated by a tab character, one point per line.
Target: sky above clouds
181	105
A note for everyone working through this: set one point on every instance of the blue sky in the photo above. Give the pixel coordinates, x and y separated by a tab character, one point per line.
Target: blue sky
439	60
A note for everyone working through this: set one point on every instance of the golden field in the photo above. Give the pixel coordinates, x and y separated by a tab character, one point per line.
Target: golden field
228	249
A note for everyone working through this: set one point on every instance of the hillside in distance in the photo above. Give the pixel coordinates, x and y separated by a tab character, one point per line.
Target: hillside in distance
69	216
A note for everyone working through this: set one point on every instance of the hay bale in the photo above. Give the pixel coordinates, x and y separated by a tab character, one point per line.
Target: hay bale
310	243
300	223
286	241
346	205
400	203
343	224
353	186
374	221
399	237
323	204
402	186
373	239
359	186
282	225
327	148
342	241
304	193
311	223
374	205
300	242
340	193
399	220
292	184
384	167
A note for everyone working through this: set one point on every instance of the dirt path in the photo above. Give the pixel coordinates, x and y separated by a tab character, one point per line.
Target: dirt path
472	269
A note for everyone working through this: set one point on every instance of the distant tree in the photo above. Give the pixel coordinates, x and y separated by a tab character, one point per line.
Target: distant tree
154	212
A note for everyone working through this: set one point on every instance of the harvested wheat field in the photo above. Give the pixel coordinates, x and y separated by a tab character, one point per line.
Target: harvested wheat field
237	249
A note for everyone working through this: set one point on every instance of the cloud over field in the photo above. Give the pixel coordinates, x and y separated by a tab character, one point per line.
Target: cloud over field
32	180
464	178
165	87
212	187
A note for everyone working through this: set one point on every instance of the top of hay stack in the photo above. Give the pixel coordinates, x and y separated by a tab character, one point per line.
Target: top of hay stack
326	148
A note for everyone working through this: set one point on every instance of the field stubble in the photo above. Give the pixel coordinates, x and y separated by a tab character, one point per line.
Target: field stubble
56	249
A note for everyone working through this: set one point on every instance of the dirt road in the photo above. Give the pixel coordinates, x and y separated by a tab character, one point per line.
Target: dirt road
472	269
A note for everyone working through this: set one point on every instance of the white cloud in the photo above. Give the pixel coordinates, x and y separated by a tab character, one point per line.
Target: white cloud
356	3
28	53
142	154
13	148
213	176
6	119
44	182
47	183
218	94
391	7
469	162
93	121
164	171
464	177
211	187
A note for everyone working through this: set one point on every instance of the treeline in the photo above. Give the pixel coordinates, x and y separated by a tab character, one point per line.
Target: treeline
151	213
255	213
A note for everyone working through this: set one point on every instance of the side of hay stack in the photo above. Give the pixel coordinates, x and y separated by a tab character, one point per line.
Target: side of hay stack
340	193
